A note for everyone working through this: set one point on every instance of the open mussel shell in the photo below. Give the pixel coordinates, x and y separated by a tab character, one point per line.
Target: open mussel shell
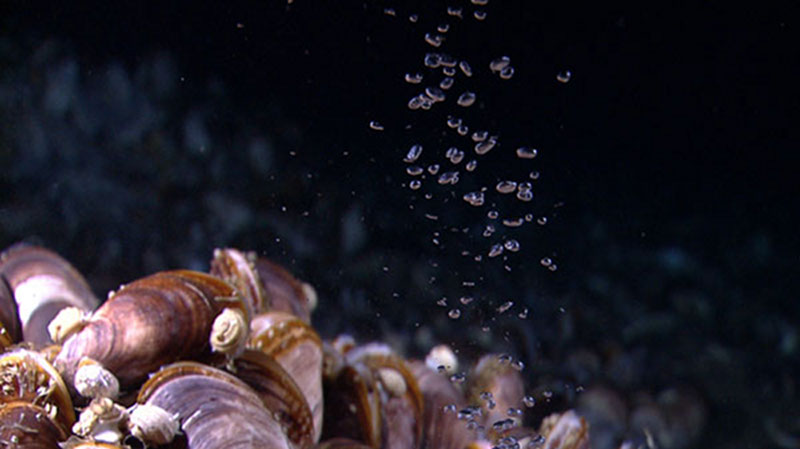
25	425
238	269
42	283
374	398
298	349
150	322
27	376
214	408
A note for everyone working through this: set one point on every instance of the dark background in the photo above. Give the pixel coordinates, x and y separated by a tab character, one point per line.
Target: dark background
139	137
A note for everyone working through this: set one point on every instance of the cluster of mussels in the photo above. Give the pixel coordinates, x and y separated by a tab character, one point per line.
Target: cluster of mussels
229	359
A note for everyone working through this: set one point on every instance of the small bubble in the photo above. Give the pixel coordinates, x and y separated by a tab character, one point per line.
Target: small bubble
503	425
433	169
413	18
534	175
454	314
389	11
504	359
449	408
450	177
552	267
528	217
466	69
518	365
480	136
506	186
564	76
488	233
442	302
471	165
496	250
434	40
527	152
547	394
458	378
505	306
525	186
511	245
456	157
546	261
413	78
435	94
529	401
413	153
443	28
432	60
493	214
499	64
466	99
524	195
507	72
462	130
446	83
511	222
455	11
466	300
415	103
415	184
376	125
474	198
414	170
448	60
512	411
484	147
524	314
480	2
453	122
541	221
449	71
479	15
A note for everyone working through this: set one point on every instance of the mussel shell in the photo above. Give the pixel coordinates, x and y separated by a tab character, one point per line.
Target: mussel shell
42	283
24	425
285	293
298	349
10	328
495	374
341	443
214	408
151	322
238	269
443	429
27	376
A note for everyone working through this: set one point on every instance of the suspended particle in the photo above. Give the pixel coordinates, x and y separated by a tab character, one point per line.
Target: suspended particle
471	165
432	60
505	306
518	365
504	359
466	99
524	314
442	302
513	222
480	136
527	152
490	229
443	28
506	186
455	11
552	267
546	261
458	378
414	170
541	221
434	39
499	64
529	401
496	250
493	214
480	2
415	184
435	93
449	177
413	153
564	76
479	15
511	245
389	11
466	300
433	169
512	412
413	78
413	18
534	175
454	314
453	122
462	130
484	147
524	195
474	198
465	68
449	71
507	72
375	126
446	83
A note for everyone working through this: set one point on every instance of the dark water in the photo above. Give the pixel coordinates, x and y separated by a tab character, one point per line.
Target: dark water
139	138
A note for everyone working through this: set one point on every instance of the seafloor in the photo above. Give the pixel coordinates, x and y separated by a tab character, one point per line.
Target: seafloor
135	139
